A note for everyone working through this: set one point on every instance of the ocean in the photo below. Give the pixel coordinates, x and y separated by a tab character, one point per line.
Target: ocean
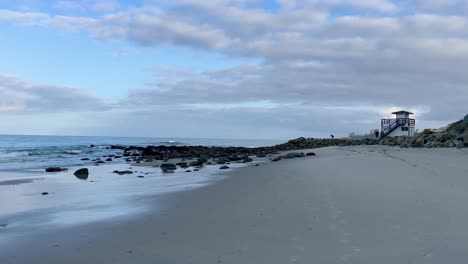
33	200
33	153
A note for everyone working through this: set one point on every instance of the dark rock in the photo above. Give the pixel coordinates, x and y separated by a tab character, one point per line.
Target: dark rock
277	159
99	162
82	174
224	168
261	155
117	157
123	172
234	158
310	154
188	171
140	176
183	165
294	155
196	169
222	161
168	166
55	169
197	163
109	159
246	160
45	193
85	159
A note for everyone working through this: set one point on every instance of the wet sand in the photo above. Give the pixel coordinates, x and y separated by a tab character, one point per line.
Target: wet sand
371	204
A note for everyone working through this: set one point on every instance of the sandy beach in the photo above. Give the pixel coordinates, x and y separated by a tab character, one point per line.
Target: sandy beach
361	204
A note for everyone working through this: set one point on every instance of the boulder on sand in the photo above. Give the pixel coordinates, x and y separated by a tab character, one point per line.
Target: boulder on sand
224	168
123	172
310	154
55	169
82	174
293	155
168	166
277	159
197	163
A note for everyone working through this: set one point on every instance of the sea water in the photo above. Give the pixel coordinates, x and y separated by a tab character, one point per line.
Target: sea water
32	153
104	195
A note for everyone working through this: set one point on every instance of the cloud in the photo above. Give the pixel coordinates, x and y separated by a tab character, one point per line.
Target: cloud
105	5
91	5
338	59
20	96
68	5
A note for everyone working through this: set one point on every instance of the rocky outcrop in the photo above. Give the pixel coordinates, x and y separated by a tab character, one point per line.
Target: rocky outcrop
201	155
455	135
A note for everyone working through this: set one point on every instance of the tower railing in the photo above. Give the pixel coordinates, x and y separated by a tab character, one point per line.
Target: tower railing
389	125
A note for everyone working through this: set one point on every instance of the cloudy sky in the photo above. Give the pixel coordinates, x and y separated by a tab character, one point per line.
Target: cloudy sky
229	68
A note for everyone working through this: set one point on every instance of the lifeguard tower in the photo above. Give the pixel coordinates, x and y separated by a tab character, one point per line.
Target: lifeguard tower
401	125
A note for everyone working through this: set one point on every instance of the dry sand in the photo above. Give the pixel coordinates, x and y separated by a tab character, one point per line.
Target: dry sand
369	204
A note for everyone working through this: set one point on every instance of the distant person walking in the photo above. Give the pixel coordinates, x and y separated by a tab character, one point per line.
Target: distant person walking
332	136
377	133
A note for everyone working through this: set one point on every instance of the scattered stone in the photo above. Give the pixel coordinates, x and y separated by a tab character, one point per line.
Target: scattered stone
85	159
168	166
123	172
82	174
222	161
55	169
256	165
197	163
183	165
310	154
294	155
277	159
224	168
45	193
99	162
246	160
3	225
140	176
196	169
109	159
188	171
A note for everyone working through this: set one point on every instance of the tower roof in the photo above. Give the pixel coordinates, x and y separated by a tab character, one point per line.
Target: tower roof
402	112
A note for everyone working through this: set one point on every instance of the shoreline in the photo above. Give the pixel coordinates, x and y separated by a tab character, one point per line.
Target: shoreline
292	211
